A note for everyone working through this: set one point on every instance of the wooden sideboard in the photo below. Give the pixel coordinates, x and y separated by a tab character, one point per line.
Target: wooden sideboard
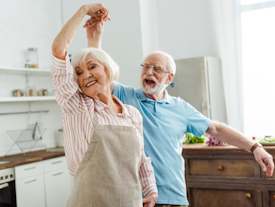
226	176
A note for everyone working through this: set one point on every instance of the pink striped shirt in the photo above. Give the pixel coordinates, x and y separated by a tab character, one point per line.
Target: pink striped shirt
77	115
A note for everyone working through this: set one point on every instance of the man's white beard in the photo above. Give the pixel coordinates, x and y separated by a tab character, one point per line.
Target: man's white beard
158	88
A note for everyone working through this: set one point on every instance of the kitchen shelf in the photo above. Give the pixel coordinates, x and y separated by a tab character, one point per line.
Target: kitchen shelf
27	71
27	98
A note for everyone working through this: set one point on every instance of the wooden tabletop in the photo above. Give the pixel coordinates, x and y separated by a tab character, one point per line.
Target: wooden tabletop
227	149
20	159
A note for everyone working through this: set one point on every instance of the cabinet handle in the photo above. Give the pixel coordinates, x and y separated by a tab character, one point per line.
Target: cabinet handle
4	185
56	162
57	173
274	197
220	168
248	195
31	181
30	168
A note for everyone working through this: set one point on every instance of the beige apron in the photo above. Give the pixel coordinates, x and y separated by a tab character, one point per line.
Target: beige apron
108	174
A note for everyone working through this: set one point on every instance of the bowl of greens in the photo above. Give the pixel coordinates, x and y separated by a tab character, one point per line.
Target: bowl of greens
268	140
192	139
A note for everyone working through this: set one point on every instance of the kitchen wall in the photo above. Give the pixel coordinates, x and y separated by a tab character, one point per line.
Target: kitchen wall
25	24
186	28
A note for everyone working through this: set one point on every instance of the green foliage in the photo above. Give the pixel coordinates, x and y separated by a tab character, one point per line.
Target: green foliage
191	138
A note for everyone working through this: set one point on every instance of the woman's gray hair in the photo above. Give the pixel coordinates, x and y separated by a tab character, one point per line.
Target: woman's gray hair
171	62
100	56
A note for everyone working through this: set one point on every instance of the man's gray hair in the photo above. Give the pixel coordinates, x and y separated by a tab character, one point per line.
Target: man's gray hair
171	62
100	56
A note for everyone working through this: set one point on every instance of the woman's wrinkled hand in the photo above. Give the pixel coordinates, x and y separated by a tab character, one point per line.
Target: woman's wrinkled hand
150	200
98	11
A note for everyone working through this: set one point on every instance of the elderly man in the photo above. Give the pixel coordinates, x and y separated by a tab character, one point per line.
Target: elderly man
166	119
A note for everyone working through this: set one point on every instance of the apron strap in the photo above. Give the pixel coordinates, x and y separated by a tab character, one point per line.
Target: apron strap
95	119
134	121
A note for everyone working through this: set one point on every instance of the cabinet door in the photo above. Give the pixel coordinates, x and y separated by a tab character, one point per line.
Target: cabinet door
58	187
269	199
30	192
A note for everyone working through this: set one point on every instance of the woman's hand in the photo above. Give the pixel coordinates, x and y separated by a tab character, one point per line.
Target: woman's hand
150	200
98	11
66	35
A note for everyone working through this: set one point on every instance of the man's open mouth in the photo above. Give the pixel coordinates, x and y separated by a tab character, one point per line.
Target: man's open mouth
149	82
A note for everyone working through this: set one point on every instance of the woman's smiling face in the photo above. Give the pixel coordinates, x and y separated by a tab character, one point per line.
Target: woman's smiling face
92	77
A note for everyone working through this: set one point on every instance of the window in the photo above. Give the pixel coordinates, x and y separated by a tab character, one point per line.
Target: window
257	20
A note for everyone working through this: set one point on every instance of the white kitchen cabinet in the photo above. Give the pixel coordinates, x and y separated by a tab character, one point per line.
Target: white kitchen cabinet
28	170
44	183
55	164
57	188
30	191
57	182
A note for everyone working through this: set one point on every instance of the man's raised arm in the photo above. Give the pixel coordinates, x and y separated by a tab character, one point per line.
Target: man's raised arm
94	31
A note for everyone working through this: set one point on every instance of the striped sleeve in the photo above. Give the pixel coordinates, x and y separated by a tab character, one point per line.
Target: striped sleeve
66	86
147	176
146	171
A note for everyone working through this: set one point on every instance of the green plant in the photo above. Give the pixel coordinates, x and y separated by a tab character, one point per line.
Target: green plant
191	138
267	139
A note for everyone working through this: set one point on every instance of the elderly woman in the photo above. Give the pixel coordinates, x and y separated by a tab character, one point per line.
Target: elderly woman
103	137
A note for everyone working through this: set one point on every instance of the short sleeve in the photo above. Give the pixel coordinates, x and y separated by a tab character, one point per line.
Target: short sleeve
197	123
123	92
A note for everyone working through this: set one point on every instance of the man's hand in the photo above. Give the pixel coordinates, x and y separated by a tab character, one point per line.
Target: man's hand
94	29
150	200
263	157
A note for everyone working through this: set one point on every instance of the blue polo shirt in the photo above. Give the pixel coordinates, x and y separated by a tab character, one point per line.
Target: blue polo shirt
164	124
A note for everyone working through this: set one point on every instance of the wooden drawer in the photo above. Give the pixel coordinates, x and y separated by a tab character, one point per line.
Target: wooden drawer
272	199
28	170
222	198
221	167
55	164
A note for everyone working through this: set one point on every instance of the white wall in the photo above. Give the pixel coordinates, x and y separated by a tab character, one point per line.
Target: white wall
25	24
121	38
149	26
186	28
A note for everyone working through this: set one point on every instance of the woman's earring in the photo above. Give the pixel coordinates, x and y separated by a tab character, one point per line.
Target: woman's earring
79	89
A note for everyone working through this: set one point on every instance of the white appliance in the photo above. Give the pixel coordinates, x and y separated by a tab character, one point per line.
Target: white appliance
199	82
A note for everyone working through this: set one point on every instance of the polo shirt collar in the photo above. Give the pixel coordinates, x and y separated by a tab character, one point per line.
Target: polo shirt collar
142	97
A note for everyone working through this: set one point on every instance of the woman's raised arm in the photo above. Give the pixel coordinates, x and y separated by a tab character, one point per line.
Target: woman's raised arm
65	36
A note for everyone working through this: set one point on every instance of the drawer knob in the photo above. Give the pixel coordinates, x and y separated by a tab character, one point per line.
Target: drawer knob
274	197
248	195
220	168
